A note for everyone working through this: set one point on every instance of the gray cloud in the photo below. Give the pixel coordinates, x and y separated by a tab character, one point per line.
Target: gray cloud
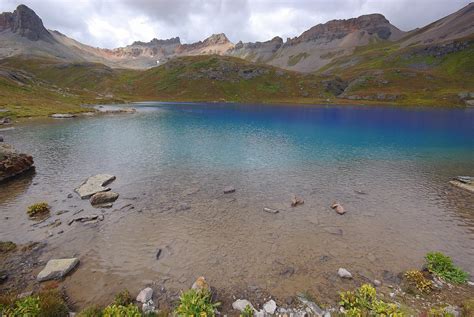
112	23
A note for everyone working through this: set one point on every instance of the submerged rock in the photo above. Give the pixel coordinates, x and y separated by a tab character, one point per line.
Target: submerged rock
315	310
343	273
240	305
295	201
103	198
464	182
229	189
57	269
145	295
12	163
271	210
94	184
338	208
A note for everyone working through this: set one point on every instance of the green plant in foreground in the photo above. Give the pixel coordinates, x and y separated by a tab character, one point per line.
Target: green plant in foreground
364	302
196	303
48	303
121	311
123	298
417	279
91	311
38	209
439	312
25	307
442	266
248	312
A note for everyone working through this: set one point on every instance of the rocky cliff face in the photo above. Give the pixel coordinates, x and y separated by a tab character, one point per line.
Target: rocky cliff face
215	44
155	49
258	51
24	22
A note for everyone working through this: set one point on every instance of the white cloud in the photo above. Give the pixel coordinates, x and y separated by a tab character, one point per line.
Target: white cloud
112	23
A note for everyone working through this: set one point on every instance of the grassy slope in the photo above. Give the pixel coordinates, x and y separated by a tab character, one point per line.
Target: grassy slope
419	79
51	86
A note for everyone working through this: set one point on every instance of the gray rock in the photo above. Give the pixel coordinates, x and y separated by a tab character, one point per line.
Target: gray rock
270	210
314	309
63	116
103	198
270	307
338	208
377	283
343	273
84	219
452	311
469	103
57	269
148	307
145	295
229	189
240	305
470	283
94	184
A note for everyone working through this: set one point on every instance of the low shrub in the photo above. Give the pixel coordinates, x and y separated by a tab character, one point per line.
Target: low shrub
364	302
7	246
44	304
417	279
196	303
123	298
121	311
38	209
248	312
91	311
442	266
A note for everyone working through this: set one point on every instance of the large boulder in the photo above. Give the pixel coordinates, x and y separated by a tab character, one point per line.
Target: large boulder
57	269
13	163
94	184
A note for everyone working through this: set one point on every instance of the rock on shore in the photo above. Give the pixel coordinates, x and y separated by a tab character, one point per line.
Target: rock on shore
13	163
94	184
56	269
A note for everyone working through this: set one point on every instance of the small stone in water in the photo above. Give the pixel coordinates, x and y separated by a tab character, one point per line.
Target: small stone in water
295	201
338	208
158	254
270	210
229	189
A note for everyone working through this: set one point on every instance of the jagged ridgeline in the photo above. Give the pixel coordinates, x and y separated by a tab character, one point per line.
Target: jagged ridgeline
364	59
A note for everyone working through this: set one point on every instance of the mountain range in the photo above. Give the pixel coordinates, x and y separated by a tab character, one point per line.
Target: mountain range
364	58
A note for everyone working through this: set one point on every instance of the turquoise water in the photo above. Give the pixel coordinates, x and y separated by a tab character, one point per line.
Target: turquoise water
389	167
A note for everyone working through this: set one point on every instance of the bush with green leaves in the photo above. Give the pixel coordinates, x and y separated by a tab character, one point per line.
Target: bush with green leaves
196	303
7	246
48	303
38	209
364	302
123	298
247	312
442	266
121	311
91	311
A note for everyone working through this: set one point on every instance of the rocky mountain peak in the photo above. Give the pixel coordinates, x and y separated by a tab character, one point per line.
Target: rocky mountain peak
26	23
158	42
215	39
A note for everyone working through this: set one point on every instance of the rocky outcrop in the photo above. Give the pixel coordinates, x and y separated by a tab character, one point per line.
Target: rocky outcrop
26	23
94	184
215	44
13	163
57	269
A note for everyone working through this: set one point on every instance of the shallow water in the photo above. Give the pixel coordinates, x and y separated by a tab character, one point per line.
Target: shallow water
389	167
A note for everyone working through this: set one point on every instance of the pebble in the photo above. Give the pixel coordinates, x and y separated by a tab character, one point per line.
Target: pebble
377	283
343	273
229	189
270	210
470	283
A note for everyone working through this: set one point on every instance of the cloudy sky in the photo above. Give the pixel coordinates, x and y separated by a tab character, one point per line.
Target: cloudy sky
113	23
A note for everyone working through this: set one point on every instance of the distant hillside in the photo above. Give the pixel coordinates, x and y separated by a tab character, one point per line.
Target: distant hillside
22	33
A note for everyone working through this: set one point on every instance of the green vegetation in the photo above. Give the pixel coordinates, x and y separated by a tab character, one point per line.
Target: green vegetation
418	280
38	210
7	246
48	303
196	303
91	311
442	266
468	307
248	312
295	59
364	302
123	298
439	312
121	311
